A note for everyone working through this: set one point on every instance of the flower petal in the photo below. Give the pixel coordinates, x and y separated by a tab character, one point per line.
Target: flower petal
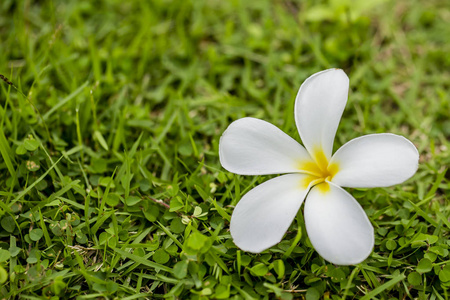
375	160
251	146
263	215
337	226
318	108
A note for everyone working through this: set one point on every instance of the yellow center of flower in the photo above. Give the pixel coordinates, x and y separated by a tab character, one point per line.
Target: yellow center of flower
319	171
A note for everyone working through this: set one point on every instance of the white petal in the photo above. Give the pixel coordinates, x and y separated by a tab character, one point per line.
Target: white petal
375	160
318	108
337	225
263	215
251	146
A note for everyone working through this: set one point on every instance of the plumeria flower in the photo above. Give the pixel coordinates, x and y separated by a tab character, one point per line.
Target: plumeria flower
336	224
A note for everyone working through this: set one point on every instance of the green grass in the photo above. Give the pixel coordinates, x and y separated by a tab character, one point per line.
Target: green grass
110	180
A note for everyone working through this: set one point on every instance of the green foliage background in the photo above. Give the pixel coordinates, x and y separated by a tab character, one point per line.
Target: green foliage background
110	183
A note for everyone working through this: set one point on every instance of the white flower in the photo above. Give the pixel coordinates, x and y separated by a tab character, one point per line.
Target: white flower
336	224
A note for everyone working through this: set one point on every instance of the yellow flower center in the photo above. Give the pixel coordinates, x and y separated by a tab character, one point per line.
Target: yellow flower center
319	171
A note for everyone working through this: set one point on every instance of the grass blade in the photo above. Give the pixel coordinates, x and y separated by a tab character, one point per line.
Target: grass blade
143	261
24	192
384	287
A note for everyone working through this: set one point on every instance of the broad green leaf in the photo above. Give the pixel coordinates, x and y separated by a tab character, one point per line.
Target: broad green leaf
278	266
132	200
21	150
197	211
112	199
444	274
105	181
30	144
160	256
58	286
36	234
439	250
173	189
222	291
3	275
151	212
312	294
111	286
391	245
430	239
424	266
14	251
176	204
259	269
337	275
8	224
414	278
4	255
197	241
180	269
177	226
34	256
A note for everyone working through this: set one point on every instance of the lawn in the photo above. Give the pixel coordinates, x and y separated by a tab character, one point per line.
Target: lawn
111	114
